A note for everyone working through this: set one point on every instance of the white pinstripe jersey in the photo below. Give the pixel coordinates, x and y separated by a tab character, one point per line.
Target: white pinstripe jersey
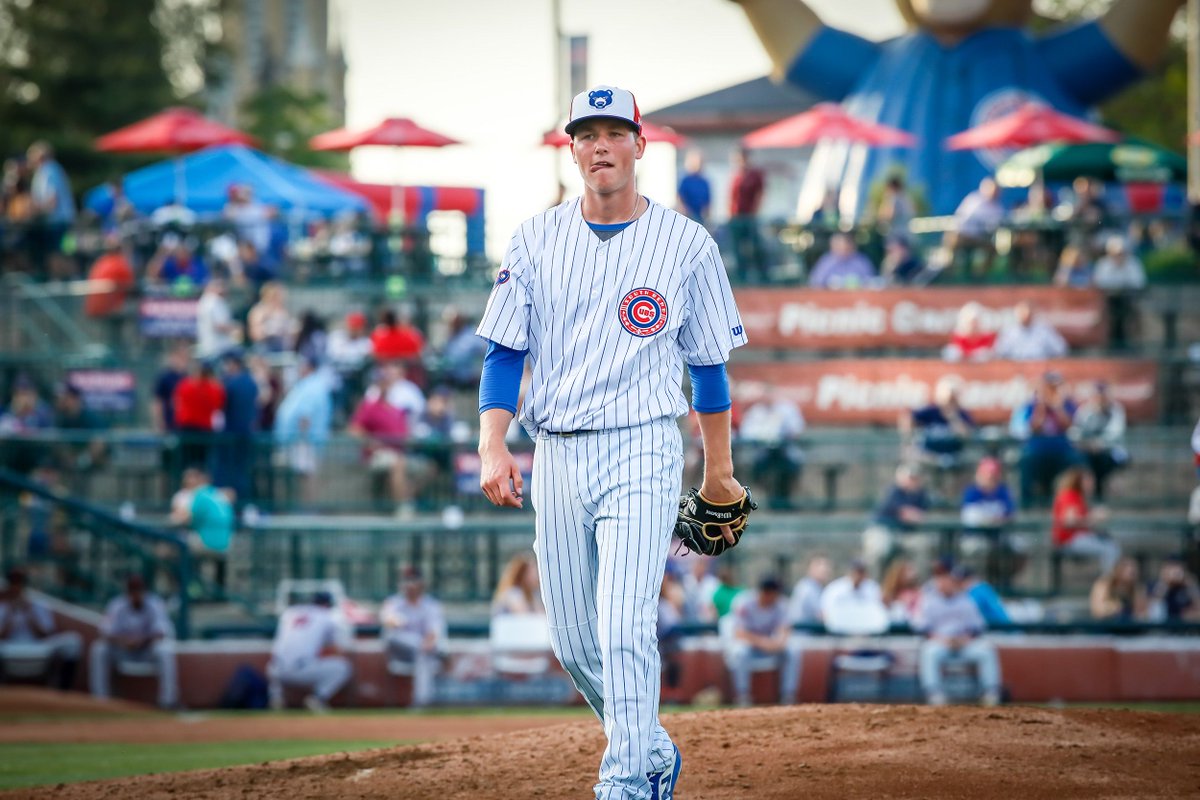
610	324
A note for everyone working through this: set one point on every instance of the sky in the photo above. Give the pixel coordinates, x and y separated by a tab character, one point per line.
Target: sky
482	71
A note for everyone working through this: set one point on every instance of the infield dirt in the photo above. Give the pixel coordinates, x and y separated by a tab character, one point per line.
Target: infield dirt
810	752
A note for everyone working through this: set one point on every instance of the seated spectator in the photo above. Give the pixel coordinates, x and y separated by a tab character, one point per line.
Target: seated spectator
251	219
986	599
112	278
699	585
385	428
1043	423
1074	270
1119	594
901	590
853	600
896	208
403	393
1076	528
1027	337
349	347
312	340
668	627
207	514
761	631
254	266
86	450
953	629
726	590
900	265
975	222
303	421
1098	431
396	340
135	628
25	621
308	652
216	330
462	357
176	264
843	267
969	342
805	604
987	503
349	245
26	415
270	327
1119	274
414	632
435	434
770	430
938	432
1086	210
518	591
901	511
1175	595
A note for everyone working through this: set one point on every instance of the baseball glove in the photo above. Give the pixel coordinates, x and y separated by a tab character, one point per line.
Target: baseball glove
699	523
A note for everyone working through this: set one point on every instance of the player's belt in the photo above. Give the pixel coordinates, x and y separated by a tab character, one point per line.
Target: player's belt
573	433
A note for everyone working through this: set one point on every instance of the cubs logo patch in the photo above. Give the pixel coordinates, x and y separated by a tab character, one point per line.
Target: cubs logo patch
502	277
601	98
643	312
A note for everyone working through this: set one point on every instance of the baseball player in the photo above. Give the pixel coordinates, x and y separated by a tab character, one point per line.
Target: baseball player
135	628
300	657
414	631
609	295
26	625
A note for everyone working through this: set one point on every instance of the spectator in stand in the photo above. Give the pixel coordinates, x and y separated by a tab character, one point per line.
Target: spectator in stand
671	609
135	628
843	267
385	428
25	416
462	357
403	393
1086	211
726	590
805	604
302	424
177	265
987	507
435	433
396	340
1077	529
348	244
1119	594
308	651
900	590
112	277
900	265
896	210
771	429
975	222
235	456
199	405
1043	423
1098	431
954	629
1074	270
938	432
414	632
518	590
761	631
699	586
901	511
968	342
270	326
1027	337
1120	275
349	347
26	622
206	512
216	330
251	219
53	210
312	341
853	596
1175	595
253	265
269	380
745	199
175	369
987	600
85	450
695	192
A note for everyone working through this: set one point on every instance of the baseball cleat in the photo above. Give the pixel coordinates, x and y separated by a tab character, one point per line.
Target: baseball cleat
662	784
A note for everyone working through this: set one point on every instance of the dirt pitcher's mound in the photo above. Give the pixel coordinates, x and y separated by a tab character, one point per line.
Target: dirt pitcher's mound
837	752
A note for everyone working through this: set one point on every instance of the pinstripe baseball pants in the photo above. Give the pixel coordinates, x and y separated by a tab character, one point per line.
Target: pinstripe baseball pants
606	504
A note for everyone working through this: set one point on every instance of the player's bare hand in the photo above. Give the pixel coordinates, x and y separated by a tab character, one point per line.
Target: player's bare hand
722	490
500	478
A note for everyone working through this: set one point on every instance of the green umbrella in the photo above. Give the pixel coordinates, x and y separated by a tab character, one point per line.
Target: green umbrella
1129	161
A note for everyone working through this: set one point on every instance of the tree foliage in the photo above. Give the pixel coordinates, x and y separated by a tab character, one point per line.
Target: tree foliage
283	121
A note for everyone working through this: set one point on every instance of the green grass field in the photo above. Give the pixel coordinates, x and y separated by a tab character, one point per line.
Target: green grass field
41	764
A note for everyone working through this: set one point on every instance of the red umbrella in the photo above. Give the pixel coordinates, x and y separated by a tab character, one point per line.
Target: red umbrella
175	130
826	121
1029	125
652	132
392	132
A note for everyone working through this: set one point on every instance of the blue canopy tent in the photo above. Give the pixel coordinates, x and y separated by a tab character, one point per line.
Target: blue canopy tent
204	179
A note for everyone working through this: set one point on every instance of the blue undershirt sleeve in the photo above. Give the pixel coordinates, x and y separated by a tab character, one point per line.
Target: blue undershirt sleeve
710	388
500	383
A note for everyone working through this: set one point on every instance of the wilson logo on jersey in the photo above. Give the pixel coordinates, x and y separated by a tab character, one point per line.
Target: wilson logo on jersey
643	312
502	277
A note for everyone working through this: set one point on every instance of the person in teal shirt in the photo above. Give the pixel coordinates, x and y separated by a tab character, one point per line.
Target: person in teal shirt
208	512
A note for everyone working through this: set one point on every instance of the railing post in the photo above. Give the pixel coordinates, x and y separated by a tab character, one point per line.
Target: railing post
183	629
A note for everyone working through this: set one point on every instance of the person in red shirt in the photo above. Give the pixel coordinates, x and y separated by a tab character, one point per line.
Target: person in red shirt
198	401
1075	527
394	340
968	342
113	268
745	199
385	428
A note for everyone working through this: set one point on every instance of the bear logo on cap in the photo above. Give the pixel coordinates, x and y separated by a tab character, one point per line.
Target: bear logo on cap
600	98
